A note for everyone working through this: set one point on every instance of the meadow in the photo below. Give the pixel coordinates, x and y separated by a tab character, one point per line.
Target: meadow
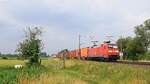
76	72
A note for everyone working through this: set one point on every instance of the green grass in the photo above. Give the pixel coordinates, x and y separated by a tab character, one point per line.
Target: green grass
76	72
10	75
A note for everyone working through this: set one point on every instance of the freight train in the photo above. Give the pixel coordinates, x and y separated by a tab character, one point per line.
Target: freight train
106	52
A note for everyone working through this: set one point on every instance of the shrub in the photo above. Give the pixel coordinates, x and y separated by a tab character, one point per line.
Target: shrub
145	56
31	47
4	58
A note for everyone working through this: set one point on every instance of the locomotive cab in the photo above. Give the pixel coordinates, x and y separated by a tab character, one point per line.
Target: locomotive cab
112	51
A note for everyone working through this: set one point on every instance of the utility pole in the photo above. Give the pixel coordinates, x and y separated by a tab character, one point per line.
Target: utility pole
79	51
121	49
121	45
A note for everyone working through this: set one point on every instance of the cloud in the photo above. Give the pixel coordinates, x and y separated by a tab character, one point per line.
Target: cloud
64	20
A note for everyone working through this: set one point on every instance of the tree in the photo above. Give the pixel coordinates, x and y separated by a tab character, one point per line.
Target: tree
134	49
138	45
143	34
123	44
131	47
31	47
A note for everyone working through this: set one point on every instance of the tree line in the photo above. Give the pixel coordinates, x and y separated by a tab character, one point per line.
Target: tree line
18	56
137	47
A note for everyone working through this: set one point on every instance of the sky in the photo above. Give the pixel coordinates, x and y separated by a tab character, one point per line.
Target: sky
63	20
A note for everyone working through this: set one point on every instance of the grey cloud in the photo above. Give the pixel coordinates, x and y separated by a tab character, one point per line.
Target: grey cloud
63	20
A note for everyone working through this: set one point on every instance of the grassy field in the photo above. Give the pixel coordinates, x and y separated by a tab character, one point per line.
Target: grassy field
76	72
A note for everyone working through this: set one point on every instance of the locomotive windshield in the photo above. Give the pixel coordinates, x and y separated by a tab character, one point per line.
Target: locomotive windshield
112	46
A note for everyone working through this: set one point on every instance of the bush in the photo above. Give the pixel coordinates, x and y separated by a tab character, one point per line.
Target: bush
19	58
145	56
31	47
4	58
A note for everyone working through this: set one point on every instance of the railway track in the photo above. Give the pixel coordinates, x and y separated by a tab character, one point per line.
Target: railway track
133	63
128	63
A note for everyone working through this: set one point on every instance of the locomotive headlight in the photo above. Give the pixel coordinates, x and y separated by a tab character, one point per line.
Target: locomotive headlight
110	51
117	51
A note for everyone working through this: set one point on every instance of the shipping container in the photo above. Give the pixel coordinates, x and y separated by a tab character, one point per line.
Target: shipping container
84	52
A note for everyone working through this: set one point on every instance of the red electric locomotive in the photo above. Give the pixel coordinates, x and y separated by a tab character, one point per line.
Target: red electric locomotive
106	52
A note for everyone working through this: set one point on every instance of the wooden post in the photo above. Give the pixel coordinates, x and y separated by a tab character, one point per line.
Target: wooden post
64	61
